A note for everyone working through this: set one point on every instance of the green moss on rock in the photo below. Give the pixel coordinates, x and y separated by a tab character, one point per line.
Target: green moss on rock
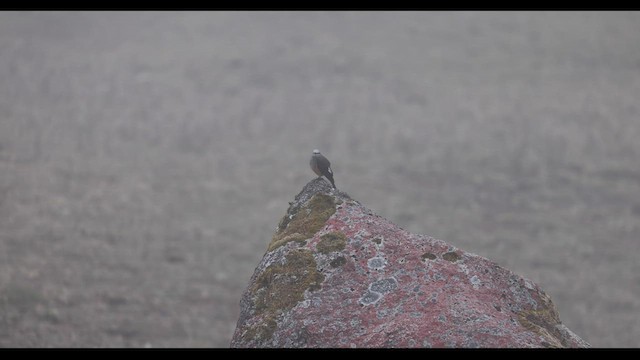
297	237
308	220
339	261
262	331
429	256
543	321
451	256
279	288
334	241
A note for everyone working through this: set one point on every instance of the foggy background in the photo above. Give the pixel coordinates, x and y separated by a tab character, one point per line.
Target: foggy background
147	157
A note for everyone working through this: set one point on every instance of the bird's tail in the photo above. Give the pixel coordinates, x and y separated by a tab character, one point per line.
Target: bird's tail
330	177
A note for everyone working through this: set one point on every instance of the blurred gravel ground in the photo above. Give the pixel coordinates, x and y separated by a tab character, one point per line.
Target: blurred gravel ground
146	157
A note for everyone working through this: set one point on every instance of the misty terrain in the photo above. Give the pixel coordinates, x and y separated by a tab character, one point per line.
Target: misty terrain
146	158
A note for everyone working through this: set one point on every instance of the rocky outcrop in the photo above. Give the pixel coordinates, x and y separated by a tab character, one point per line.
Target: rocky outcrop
337	275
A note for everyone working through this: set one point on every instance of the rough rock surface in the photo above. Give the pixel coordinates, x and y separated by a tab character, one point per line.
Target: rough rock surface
337	275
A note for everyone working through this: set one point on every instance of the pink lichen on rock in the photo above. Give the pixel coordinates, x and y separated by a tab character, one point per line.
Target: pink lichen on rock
361	281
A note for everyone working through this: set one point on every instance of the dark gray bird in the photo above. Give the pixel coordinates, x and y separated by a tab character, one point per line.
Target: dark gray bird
321	166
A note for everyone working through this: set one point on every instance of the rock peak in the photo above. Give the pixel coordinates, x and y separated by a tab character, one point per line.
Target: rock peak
337	275
315	186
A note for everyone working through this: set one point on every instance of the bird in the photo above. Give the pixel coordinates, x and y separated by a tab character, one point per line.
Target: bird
321	166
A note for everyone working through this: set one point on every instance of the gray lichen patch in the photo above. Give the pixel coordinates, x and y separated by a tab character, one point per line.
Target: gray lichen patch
475	282
384	285
370	297
376	263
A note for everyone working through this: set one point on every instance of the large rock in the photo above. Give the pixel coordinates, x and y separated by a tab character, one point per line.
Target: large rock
337	275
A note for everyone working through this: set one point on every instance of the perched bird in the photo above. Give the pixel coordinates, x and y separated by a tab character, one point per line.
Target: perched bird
321	166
